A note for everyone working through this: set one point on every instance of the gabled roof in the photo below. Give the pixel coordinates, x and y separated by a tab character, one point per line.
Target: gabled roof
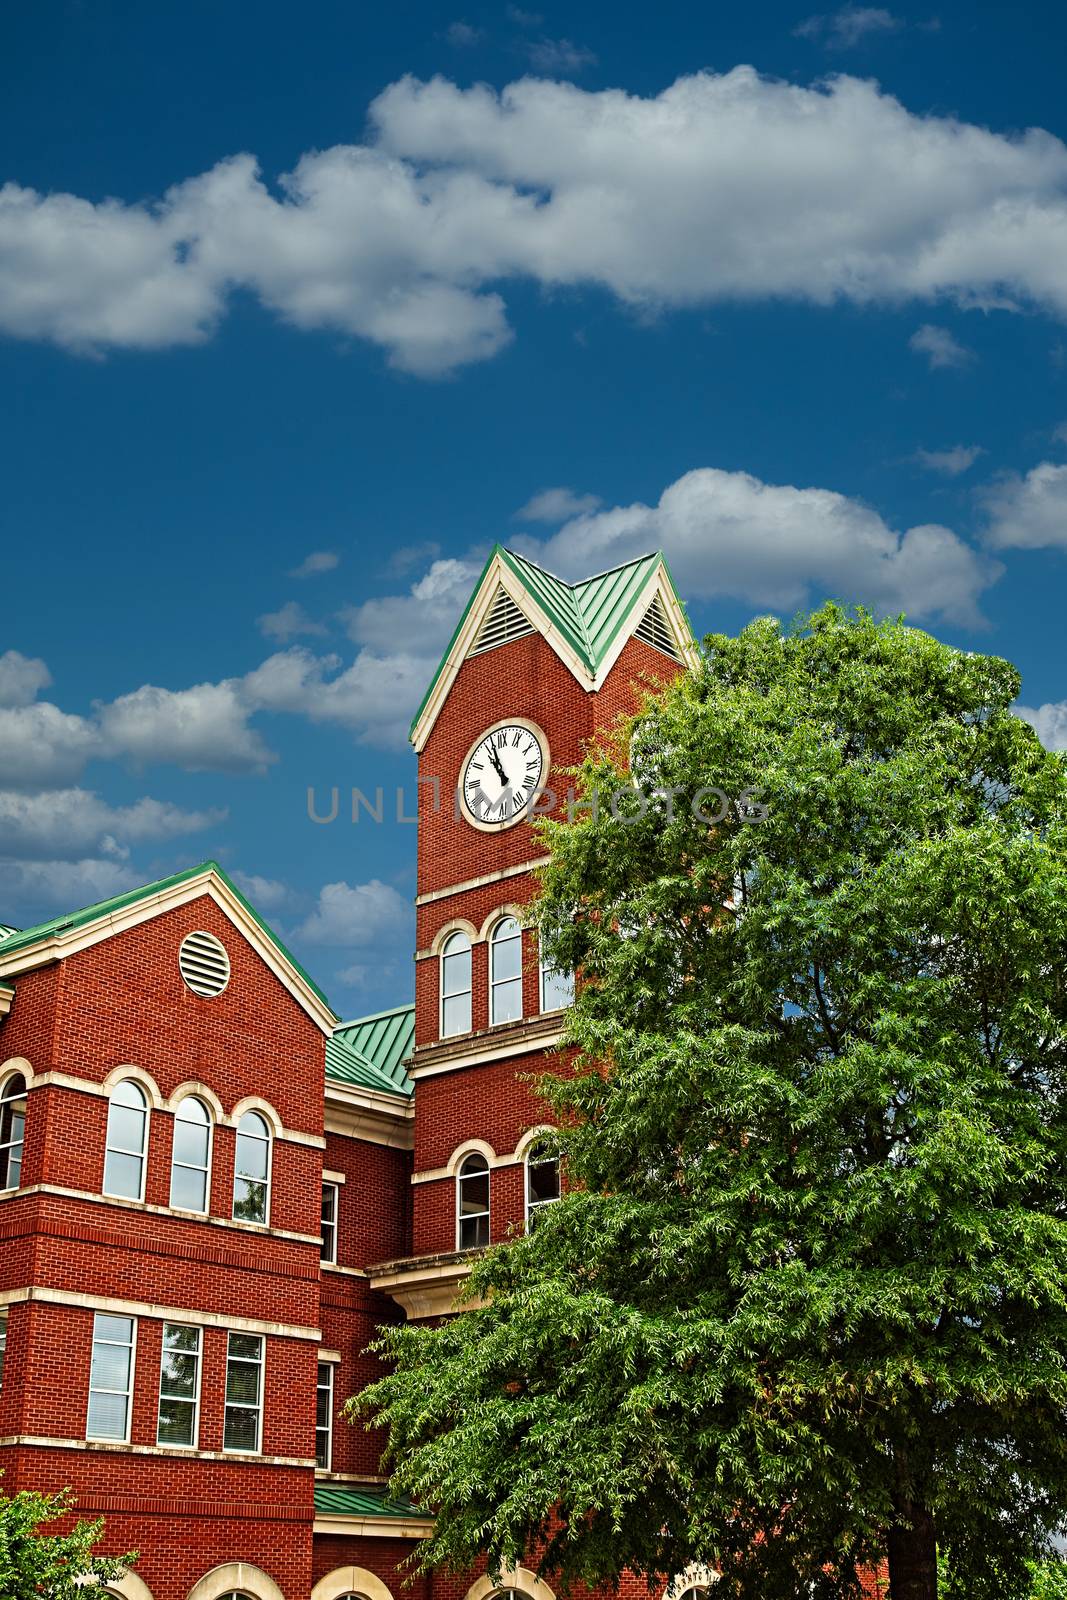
586	623
63	935
371	1051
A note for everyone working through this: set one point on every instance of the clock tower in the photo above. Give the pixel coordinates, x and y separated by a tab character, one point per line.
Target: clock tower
535	667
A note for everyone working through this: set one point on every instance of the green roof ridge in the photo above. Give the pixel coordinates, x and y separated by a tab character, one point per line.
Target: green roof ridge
372	1050
129	897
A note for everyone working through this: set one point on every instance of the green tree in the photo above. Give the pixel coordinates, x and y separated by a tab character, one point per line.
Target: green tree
51	1566
804	1309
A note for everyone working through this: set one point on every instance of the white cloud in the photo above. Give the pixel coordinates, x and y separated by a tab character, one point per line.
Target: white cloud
30	888
557	505
939	347
950	463
266	894
1028	512
464	35
21	678
723	187
420	620
70	824
373	699
775	545
1050	722
43	747
317	562
559	57
356	914
203	728
287	623
852	25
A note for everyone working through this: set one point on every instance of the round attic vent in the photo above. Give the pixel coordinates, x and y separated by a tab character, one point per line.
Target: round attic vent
204	964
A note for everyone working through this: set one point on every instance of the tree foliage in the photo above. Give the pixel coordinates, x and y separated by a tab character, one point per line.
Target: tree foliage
51	1566
806	1300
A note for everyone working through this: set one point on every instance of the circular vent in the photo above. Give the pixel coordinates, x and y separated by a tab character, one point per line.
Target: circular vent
204	964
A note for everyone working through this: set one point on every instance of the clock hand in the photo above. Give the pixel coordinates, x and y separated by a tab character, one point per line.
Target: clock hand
495	759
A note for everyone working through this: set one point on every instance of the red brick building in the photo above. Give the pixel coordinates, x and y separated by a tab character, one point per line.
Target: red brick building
212	1190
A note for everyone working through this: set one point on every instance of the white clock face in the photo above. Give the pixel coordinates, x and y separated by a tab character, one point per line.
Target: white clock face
503	774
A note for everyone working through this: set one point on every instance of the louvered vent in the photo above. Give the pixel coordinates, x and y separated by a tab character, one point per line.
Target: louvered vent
653	630
504	623
204	964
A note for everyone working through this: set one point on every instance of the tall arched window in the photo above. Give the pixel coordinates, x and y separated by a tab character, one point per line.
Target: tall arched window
190	1162
455	985
472	1202
542	1179
127	1141
557	988
12	1130
251	1171
505	971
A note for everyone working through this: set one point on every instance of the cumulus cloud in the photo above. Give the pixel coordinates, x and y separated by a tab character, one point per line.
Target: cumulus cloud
1049	722
203	728
266	894
287	623
852	25
27	888
559	58
950	463
71	824
776	545
21	678
317	562
557	505
1028	513
939	347
424	617
356	914
44	747
372	699
724	186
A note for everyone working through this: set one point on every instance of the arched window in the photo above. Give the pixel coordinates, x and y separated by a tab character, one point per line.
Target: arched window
505	971
190	1162
251	1172
455	985
127	1141
542	1179
12	1130
557	988
472	1203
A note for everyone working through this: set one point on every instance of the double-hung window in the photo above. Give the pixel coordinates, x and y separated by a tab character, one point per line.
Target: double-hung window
251	1173
324	1416
127	1141
190	1169
12	1130
243	1423
328	1246
179	1386
111	1377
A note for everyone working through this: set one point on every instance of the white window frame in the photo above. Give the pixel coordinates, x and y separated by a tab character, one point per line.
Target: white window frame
182	1399
109	1438
6	1098
253	1221
529	1160
474	1216
242	1405
546	970
119	1150
455	994
3	1344
330	1255
495	983
327	1388
185	1166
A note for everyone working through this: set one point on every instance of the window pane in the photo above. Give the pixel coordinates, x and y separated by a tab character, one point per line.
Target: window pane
110	1366
507	1001
178	1378
245	1347
474	1193
125	1129
456	972
457	1015
242	1383
177	1337
507	954
107	1416
544	1182
251	1157
116	1330
473	1233
241	1430
191	1144
122	1175
188	1189
249	1201
557	989
3	1345
177	1421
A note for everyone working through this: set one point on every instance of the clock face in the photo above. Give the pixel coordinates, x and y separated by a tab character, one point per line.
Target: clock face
503	774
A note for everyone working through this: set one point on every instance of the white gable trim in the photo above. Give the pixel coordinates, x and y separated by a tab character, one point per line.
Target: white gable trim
498	575
68	942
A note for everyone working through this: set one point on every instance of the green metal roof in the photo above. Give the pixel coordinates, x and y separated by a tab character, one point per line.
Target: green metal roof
348	1500
589	615
371	1051
6	930
28	937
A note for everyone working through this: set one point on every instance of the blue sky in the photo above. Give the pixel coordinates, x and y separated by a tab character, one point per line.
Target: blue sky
783	290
